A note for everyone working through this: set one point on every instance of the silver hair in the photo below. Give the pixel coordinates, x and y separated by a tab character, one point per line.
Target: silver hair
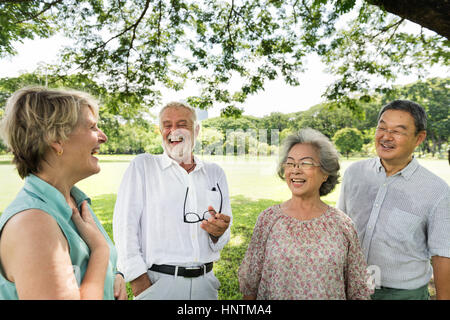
175	104
328	156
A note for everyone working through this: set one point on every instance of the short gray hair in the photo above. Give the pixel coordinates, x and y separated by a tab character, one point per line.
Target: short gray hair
179	105
328	156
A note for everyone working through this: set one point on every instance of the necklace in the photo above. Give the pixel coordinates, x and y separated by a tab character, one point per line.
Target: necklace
191	168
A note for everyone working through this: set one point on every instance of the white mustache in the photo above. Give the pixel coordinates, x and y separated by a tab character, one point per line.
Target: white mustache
177	137
182	151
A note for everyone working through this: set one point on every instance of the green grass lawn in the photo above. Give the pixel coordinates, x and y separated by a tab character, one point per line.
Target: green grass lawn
253	185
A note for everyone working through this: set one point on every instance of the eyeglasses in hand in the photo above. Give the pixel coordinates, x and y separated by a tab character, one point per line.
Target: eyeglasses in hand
193	217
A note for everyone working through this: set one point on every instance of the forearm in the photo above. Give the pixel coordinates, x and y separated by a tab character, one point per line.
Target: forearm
443	288
441	267
214	239
92	286
139	284
126	228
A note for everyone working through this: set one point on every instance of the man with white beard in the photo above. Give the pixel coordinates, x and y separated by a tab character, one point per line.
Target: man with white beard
172	216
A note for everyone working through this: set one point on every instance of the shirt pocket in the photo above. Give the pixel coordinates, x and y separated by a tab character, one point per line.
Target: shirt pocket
213	198
403	226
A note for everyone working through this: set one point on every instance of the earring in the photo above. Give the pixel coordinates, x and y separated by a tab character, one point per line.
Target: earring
60	152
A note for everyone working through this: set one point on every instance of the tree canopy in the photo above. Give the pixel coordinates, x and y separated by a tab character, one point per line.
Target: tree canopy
134	48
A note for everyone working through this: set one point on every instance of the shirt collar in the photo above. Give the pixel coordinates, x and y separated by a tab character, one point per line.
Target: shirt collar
378	166
199	163
410	168
168	161
406	172
52	196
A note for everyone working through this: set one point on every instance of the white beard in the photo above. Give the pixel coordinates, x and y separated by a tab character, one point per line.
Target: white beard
182	151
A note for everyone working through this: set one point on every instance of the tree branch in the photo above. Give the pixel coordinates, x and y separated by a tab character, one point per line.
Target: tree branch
159	24
133	26
306	7
386	28
230	38
249	26
294	11
431	14
47	6
395	30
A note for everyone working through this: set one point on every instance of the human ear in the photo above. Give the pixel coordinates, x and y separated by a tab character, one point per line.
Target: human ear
421	137
196	131
57	147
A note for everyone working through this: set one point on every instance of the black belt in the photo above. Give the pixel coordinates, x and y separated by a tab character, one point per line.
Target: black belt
188	272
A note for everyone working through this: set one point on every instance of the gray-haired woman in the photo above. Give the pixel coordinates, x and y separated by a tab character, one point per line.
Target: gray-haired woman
303	248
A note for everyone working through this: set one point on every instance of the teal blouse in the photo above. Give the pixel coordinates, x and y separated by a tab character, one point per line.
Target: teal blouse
38	194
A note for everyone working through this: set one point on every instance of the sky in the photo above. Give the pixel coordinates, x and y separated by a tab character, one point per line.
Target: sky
277	95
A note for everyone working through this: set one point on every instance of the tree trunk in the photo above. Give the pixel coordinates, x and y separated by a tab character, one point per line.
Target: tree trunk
431	14
433	147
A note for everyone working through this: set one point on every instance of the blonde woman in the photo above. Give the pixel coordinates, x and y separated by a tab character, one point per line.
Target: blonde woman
52	246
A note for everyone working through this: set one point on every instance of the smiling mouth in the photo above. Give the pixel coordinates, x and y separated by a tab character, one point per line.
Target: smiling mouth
175	139
297	181
95	151
387	146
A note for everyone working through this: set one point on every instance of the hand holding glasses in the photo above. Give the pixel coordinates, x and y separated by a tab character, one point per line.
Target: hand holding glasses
193	217
216	226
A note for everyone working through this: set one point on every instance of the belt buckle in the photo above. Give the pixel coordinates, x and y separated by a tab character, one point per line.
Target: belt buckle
191	275
199	268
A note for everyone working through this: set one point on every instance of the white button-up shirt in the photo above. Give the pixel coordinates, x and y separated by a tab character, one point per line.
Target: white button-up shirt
148	221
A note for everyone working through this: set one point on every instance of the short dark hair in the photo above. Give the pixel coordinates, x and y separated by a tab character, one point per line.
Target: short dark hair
416	111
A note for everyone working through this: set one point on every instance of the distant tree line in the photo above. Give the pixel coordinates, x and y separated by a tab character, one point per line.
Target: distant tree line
136	131
335	123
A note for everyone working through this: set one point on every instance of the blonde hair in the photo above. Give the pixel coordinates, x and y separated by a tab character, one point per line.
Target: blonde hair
37	116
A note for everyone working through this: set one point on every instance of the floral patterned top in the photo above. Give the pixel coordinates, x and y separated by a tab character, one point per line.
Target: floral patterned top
314	259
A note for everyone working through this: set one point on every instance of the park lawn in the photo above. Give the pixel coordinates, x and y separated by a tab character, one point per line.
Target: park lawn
253	183
254	178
